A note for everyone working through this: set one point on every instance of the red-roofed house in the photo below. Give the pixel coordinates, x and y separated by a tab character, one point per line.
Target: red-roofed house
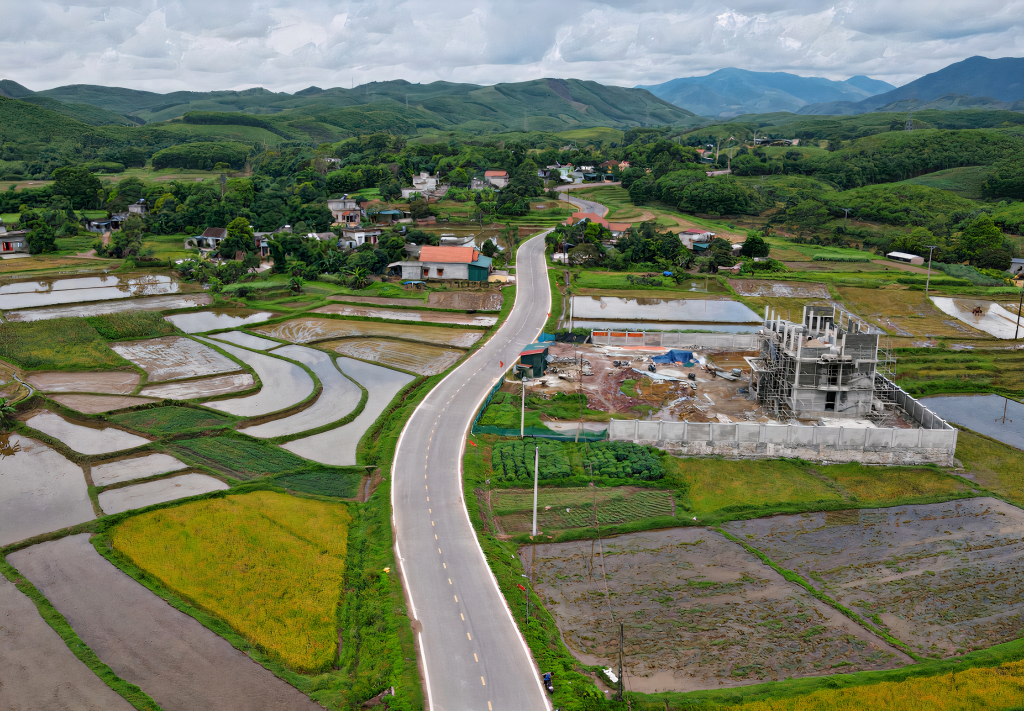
497	178
460	263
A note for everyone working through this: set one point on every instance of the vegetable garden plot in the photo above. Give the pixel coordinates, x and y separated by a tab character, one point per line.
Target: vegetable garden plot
178	662
40	491
514	460
416	357
699	612
120	470
400	315
115	501
338	446
340	396
113	383
559	509
93	404
307	330
206	387
172	419
174	358
241	458
82	439
941	577
40	672
284	384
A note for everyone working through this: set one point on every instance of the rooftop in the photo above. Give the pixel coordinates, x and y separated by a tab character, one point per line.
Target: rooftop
456	255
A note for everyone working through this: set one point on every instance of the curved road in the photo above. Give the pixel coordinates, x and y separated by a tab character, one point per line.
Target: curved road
584	205
471	651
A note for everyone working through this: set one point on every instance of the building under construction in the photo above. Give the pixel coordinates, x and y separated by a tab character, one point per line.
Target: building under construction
820	367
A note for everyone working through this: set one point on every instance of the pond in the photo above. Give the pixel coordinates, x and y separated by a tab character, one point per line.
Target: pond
629	310
27	294
984	414
202	321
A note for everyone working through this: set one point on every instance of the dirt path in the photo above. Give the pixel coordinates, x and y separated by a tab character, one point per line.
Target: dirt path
173	658
902	267
39	671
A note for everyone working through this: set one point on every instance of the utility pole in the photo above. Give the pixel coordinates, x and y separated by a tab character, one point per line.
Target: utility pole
928	280
1006	402
536	477
620	661
1016	331
522	416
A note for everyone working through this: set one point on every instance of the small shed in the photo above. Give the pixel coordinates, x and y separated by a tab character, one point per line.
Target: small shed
535	356
905	258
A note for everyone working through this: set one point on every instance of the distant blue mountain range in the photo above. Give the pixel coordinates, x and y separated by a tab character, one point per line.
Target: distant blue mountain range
731	92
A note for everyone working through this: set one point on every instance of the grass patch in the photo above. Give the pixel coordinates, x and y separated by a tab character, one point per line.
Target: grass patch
997	466
269	564
57	344
172	420
927	371
561	509
131	324
341	482
241	458
881	486
965	182
629	388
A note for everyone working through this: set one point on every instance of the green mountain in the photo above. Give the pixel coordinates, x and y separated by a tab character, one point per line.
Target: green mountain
401	106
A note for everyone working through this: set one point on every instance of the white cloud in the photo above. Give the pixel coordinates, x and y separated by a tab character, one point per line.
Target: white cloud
166	45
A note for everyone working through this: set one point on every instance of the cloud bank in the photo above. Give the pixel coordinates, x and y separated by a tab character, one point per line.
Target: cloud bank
287	45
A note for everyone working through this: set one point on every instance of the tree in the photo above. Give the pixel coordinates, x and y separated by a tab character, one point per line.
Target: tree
296	283
755	246
489	249
79	185
240	239
999	259
458	177
390	189
127	241
808	214
641	191
980	236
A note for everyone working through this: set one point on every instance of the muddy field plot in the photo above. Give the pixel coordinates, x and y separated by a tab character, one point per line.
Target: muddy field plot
174	358
699	612
901	312
942	577
466	300
93	404
121	382
415	357
307	330
205	387
407	315
795	290
559	509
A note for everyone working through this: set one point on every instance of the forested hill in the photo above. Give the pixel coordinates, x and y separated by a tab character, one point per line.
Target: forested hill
539	105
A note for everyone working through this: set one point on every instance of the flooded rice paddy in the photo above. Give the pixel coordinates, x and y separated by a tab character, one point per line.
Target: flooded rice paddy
120	382
122	470
404	315
338	446
699	611
246	340
790	290
150	303
415	357
338	398
83	439
40	490
284	384
95	404
661	314
308	330
115	501
174	358
76	290
993	319
205	387
992	415
663	326
201	321
941	577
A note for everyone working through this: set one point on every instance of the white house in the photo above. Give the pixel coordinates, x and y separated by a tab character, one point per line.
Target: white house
352	237
422	183
1016	265
497	178
689	237
346	210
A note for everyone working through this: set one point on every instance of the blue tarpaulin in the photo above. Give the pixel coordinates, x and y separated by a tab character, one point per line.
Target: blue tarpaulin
674	356
545	337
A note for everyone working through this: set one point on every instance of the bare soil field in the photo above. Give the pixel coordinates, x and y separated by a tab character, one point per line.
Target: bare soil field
466	300
416	357
756	287
136	467
39	671
40	490
379	300
91	439
121	382
942	577
308	330
699	612
901	312
93	404
206	387
169	655
406	315
115	501
174	358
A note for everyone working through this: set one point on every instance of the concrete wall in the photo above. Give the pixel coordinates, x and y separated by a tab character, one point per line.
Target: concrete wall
716	341
886	445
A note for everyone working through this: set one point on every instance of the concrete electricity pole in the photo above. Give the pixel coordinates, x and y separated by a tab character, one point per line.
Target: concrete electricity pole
928	280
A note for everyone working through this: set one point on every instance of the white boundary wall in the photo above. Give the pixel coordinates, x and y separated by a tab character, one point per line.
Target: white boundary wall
713	341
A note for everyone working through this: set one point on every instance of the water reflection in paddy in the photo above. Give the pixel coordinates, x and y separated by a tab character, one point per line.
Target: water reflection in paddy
202	321
984	414
675	310
26	294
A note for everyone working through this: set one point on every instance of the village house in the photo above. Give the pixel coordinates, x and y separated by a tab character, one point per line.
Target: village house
690	238
13	241
424	183
445	263
905	258
352	237
138	208
497	178
1017	265
346	210
211	238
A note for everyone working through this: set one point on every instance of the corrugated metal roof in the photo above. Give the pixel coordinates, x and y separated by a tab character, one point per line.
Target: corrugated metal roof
457	255
495	173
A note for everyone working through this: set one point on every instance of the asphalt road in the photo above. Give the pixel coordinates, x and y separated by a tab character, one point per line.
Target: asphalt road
584	205
470	648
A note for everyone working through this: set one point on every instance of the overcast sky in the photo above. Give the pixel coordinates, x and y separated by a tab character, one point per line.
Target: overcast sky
288	45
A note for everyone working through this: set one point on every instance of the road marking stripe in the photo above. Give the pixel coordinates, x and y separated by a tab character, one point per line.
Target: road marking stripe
475	659
456	598
469	636
482	681
464	619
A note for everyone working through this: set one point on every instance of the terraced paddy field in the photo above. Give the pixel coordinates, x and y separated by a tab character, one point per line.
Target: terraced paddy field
175	358
137	467
92	439
139	496
246	340
94	404
406	315
415	357
79	289
941	577
204	387
700	612
121	382
308	330
172	657
284	384
100	308
172	419
200	321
